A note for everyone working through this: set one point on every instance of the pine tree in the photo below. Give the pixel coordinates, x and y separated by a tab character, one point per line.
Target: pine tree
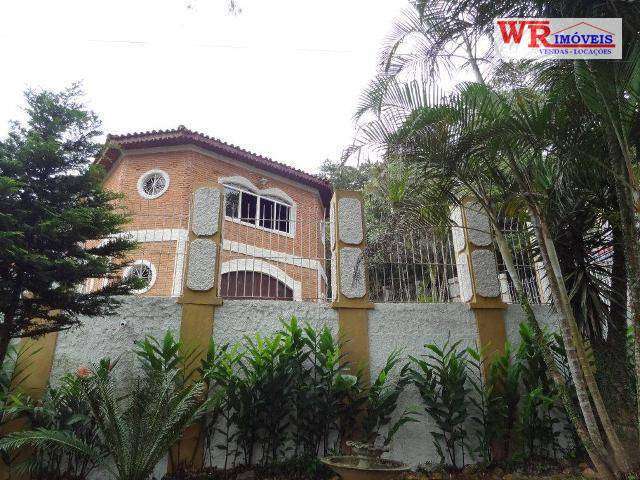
54	219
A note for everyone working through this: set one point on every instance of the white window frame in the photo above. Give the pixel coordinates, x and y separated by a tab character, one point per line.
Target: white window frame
143	178
292	211
152	281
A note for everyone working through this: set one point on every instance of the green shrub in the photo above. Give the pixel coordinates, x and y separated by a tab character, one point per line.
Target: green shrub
133	431
441	379
382	401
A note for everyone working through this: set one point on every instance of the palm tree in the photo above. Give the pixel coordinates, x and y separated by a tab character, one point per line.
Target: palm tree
137	429
499	147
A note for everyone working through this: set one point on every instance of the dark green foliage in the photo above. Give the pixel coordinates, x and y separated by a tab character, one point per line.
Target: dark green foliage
441	378
90	421
382	401
218	372
506	406
65	412
538	410
288	393
346	177
291	394
13	403
53	214
504	381
487	404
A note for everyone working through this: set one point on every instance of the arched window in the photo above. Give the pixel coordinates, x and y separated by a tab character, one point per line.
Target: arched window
269	209
255	278
250	284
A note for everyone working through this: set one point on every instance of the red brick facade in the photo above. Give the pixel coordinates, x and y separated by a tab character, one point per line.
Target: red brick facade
293	261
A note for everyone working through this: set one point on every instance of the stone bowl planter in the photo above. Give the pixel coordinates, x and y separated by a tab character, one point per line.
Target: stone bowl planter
352	467
365	463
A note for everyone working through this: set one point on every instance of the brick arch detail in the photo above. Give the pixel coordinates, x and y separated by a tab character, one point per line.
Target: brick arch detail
250	265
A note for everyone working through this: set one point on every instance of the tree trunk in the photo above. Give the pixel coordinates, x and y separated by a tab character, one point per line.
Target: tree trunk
617	325
473	61
614	351
5	339
581	370
626	205
597	453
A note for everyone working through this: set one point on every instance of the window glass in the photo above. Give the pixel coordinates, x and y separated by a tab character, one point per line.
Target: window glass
282	217
232	202
254	209
267	213
248	205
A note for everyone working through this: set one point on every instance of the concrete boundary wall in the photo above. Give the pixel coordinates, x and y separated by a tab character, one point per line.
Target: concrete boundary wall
401	325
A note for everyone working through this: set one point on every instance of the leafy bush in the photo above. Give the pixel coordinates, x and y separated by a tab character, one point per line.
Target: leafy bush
441	379
382	401
13	403
291	395
95	423
65	413
507	406
288	394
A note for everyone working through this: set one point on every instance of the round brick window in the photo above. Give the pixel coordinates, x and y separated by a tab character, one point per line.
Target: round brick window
153	184
144	270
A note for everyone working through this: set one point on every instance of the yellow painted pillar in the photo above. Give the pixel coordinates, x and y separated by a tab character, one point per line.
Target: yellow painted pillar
199	300
34	365
478	275
349	277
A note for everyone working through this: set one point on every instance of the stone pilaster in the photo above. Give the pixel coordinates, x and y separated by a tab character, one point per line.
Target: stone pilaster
349	276
199	299
477	273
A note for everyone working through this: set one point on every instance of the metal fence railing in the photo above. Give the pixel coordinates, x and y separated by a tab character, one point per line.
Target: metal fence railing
520	237
412	267
291	259
291	262
161	232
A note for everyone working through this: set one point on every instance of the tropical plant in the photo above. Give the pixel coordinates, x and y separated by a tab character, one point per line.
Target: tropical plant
487	399
65	414
564	149
267	367
135	430
218	371
505	394
166	355
318	401
441	379
382	401
468	146
13	402
537	419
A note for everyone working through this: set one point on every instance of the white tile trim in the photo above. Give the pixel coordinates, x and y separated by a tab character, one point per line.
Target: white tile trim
178	235
274	256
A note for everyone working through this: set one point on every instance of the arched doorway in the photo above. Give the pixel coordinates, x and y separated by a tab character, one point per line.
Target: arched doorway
252	284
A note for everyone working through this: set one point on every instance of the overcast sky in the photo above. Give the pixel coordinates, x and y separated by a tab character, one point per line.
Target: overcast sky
282	78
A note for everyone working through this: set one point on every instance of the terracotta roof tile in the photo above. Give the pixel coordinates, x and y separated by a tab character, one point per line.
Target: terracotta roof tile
184	136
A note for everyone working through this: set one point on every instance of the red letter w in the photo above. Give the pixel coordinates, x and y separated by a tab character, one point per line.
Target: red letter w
511	33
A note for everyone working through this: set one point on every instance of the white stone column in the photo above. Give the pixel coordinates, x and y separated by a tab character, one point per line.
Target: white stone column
349	278
478	275
475	257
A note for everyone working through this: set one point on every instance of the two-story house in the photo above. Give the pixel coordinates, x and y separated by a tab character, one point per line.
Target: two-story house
274	215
